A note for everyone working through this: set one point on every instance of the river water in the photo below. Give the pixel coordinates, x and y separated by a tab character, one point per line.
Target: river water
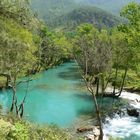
58	96
55	96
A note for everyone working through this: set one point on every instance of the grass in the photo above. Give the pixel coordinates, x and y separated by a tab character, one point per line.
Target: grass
132	82
2	81
12	128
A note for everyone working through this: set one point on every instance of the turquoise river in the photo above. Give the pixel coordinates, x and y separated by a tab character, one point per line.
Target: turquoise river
58	96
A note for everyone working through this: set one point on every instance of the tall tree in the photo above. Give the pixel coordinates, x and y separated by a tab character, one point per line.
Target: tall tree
131	32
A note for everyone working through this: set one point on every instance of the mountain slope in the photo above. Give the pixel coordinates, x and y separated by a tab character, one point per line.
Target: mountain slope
113	6
70	13
50	9
87	14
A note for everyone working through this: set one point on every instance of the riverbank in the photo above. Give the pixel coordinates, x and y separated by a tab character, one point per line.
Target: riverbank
132	82
33	73
13	128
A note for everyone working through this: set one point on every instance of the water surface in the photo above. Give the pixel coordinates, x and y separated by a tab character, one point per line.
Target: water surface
56	96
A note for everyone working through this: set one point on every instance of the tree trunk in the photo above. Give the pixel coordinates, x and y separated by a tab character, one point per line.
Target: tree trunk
13	99
98	116
13	103
102	84
89	87
97	86
22	109
116	75
21	106
86	64
123	81
7	80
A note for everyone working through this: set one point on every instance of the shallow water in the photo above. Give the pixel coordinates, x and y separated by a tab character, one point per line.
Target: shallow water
55	96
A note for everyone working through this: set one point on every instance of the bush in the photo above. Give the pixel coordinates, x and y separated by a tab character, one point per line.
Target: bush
21	130
18	132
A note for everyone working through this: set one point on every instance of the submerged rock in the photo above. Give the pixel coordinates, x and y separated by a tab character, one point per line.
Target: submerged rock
132	112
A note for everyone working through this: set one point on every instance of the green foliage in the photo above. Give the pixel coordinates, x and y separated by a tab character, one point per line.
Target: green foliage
55	48
65	12
18	132
27	47
131	30
17	47
126	43
51	133
18	11
87	47
111	54
93	51
5	127
132	82
21	130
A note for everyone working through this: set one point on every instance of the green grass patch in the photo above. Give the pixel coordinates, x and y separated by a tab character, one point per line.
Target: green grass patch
132	81
2	81
12	128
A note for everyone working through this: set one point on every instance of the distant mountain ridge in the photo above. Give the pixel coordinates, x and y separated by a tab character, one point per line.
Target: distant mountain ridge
87	14
50	9
47	8
71	13
113	6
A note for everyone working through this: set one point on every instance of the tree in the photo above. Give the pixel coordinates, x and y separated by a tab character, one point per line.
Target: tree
90	51
93	51
131	35
16	54
54	48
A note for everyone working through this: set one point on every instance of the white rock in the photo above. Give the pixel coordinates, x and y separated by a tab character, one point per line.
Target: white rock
90	137
96	131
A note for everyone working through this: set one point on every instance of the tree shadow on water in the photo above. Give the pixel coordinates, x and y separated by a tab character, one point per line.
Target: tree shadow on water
73	69
69	75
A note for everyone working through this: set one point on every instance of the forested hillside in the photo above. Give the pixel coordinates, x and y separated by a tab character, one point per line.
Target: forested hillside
70	13
86	14
113	6
50	9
